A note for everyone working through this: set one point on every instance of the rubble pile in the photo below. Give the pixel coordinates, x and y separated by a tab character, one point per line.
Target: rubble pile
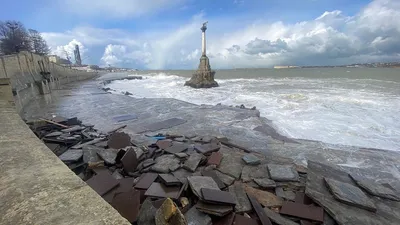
188	179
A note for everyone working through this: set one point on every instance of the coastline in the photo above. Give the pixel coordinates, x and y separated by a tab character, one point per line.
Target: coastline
92	105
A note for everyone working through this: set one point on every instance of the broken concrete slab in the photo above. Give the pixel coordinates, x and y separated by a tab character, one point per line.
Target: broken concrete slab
374	188
119	140
266	198
90	154
254	172
226	179
207	148
163	125
308	212
102	183
218	197
198	182
92	142
231	163
283	172
350	194
214	176
278	219
239	219
265	183
176	147
71	156
251	159
226	220
166	164
108	155
242	202
54	134
73	129
259	210
146	180
127	204
148	162
129	161
192	162
163	144
212	209
214	159
146	213
182	175
125	185
181	155
161	191
169	180
195	217
287	195
169	214
387	210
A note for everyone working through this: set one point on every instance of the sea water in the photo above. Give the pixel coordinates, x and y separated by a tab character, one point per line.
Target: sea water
350	106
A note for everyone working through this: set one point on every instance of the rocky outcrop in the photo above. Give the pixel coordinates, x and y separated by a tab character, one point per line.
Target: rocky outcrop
204	76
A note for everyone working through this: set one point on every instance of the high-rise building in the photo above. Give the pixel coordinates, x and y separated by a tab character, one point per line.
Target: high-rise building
77	54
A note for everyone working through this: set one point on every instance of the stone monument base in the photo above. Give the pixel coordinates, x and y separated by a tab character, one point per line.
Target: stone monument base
204	76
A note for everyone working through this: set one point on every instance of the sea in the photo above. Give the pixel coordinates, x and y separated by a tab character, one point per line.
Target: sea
346	106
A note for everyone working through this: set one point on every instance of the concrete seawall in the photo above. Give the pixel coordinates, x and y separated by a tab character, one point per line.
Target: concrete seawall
35	186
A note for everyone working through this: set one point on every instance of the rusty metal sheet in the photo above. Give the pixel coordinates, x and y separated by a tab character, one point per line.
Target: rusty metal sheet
129	161
214	159
308	212
162	191
259	210
127	204
119	140
217	196
102	183
146	180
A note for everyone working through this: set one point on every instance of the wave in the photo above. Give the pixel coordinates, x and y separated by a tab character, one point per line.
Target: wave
337	110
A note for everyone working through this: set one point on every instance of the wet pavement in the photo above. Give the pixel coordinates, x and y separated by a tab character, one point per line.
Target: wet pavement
87	101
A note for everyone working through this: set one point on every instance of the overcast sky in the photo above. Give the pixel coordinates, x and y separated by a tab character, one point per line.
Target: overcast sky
165	34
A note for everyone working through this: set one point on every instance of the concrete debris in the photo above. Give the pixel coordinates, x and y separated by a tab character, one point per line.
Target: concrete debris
210	179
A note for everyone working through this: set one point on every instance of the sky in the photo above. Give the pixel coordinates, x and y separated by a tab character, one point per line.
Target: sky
165	34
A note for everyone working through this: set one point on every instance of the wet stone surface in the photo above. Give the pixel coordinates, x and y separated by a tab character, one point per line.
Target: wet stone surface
350	194
282	172
71	155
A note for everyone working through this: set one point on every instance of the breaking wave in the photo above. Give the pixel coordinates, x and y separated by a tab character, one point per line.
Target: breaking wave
333	110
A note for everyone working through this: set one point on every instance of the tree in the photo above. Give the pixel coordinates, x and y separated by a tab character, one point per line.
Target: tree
39	45
13	37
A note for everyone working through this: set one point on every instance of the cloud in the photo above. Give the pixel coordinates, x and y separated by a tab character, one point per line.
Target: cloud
116	8
68	50
373	34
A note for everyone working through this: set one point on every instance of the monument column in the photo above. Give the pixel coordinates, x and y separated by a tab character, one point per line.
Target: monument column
203	39
204	76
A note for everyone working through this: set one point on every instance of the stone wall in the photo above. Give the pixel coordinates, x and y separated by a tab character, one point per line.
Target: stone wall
36	187
31	75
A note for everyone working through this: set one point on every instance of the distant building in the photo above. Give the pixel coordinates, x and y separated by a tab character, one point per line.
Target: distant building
285	67
77	54
58	60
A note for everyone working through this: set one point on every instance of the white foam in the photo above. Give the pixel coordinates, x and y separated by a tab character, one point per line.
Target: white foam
337	110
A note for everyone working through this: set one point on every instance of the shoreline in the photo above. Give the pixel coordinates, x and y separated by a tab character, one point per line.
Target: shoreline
270	128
